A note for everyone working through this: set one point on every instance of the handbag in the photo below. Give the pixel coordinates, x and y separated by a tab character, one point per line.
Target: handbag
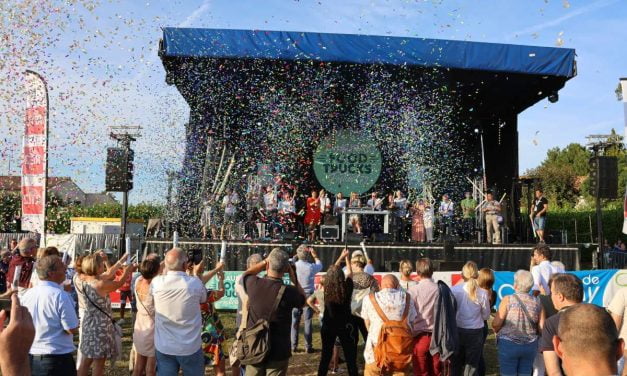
117	329
253	344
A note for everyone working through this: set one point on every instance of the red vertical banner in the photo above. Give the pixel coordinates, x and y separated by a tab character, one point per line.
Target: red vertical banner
34	154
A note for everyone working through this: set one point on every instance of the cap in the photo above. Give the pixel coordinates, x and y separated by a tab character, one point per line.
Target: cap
357	253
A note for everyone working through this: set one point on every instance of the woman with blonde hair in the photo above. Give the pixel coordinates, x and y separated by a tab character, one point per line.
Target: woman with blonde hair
473	308
354	219
406	268
98	339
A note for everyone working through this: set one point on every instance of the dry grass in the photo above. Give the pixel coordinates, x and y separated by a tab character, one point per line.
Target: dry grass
300	363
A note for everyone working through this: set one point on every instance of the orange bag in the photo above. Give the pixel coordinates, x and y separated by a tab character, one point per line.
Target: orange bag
394	349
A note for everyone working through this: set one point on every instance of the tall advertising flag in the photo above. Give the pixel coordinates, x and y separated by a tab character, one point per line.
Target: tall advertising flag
35	154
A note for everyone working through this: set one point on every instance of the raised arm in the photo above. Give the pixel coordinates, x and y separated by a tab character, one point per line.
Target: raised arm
208	275
106	286
110	273
343	257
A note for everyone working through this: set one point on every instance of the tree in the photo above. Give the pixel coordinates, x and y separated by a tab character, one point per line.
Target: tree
574	156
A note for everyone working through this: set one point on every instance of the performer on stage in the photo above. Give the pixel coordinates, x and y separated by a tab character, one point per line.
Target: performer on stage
325	207
208	218
428	219
446	211
492	210
287	211
400	203
374	202
270	201
355	219
229	205
538	214
373	223
468	205
339	205
313	214
417	212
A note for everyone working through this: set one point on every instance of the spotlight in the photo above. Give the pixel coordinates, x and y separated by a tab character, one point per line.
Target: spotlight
476	130
553	97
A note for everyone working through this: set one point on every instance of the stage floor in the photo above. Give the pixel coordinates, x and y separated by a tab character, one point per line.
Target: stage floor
385	256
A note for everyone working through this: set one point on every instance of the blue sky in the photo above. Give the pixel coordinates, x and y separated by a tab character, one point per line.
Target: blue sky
100	59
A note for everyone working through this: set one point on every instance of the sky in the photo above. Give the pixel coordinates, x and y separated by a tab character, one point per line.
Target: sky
100	60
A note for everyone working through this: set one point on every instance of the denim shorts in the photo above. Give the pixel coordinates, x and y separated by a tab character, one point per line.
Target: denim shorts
539	222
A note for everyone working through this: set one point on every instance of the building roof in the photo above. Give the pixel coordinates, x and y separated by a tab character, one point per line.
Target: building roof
366	49
14	183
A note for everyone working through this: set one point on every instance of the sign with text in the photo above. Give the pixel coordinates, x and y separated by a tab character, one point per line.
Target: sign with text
347	162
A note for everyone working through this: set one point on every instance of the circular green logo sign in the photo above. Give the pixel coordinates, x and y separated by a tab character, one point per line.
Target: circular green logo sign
347	162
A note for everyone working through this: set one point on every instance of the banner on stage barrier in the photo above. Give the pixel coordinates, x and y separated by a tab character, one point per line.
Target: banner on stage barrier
599	285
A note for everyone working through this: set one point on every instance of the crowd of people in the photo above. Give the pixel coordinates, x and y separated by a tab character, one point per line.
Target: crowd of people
278	209
410	324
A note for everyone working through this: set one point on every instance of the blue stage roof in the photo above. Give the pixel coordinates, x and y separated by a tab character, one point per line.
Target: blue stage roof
366	49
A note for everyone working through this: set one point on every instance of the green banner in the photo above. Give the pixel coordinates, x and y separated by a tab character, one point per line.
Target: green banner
229	300
347	162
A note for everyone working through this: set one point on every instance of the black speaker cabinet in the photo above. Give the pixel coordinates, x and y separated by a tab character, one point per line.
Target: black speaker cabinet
329	232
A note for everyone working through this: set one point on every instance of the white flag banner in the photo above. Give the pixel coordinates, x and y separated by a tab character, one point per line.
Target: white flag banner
34	154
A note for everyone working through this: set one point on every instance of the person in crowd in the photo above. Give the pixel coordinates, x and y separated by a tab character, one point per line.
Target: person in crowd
417	212
97	326
405	269
566	291
428	219
125	294
208	218
316	302
41	253
468	205
16	339
395	304
486	281
542	269
538	211
355	219
473	308
177	298
24	262
446	211
425	295
262	294
517	324
5	259
229	205
491	208
213	335
242	301
307	266
337	321
367	267
144	329
587	342
312	215
54	318
363	284
13	246
618	311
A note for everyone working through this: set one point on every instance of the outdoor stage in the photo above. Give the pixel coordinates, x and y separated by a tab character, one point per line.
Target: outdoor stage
385	256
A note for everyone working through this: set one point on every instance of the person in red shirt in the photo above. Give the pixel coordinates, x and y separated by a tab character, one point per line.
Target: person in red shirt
125	293
24	260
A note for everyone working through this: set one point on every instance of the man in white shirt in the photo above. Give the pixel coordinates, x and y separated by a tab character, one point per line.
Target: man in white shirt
307	266
229	204
492	210
54	318
392	300
446	211
177	298
542	269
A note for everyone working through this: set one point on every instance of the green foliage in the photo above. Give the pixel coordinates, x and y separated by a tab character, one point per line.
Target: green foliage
574	156
565	219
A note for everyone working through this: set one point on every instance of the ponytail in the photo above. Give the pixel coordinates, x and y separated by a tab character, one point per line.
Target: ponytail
470	273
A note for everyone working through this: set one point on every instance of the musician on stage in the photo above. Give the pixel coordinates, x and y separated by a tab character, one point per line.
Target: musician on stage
339	205
208	218
270	201
446	211
325	207
492	210
313	215
468	205
538	214
355	219
417	212
373	223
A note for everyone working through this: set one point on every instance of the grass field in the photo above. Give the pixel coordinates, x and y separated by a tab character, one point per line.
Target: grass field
300	363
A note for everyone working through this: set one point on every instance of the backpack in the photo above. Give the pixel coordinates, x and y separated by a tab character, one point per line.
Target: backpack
394	349
252	344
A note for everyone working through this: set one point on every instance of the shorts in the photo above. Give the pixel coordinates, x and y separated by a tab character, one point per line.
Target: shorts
539	222
124	295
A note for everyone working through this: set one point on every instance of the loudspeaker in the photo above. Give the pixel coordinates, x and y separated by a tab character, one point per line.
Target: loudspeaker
118	176
329	232
382	238
352	237
607	170
449	250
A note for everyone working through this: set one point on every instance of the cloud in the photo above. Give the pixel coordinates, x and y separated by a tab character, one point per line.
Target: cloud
548	24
